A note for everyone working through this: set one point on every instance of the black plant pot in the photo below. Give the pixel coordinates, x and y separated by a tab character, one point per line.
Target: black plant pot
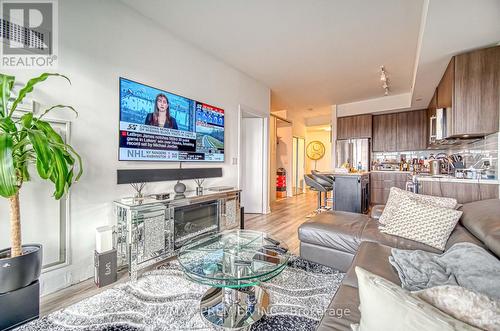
18	272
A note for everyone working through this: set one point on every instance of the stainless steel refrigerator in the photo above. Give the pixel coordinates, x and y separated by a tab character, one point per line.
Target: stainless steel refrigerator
356	152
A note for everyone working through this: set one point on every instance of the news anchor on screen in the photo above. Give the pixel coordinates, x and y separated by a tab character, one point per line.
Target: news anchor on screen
161	114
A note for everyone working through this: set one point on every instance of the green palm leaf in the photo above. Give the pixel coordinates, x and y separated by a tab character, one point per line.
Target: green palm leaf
46	111
6	85
28	88
8	179
40	144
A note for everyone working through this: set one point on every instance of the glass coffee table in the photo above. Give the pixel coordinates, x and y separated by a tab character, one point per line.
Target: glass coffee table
234	263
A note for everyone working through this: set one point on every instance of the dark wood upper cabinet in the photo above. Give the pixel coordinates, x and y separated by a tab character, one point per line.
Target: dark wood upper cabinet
416	131
476	93
470	92
354	127
444	92
405	131
385	133
402	128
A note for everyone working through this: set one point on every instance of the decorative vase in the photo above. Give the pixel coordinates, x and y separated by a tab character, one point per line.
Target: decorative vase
199	190
179	188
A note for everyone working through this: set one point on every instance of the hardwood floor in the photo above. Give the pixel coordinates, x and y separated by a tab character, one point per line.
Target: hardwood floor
283	221
285	218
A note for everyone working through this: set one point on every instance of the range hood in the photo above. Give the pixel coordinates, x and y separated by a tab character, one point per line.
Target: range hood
438	132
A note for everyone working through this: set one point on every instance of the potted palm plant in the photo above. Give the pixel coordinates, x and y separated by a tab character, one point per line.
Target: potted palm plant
28	140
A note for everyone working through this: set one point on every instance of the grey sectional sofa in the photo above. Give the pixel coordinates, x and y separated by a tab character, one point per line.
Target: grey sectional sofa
344	240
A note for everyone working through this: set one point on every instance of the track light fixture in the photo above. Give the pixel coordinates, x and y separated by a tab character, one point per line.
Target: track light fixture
384	79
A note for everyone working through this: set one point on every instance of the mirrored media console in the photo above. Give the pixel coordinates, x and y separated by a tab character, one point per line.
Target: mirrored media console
149	231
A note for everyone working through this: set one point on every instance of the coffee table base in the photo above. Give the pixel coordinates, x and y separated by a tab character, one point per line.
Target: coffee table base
234	308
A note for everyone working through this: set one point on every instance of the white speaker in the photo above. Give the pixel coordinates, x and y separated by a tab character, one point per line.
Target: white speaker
104	239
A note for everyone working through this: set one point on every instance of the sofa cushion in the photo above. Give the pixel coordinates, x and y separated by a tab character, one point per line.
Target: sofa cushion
386	306
465	305
482	219
374	258
372	233
459	235
337	229
422	222
396	194
342	311
330	257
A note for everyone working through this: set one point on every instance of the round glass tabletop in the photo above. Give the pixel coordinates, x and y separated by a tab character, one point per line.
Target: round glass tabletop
233	259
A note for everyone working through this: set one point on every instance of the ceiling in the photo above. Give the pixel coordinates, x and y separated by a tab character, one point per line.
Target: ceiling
317	53
451	27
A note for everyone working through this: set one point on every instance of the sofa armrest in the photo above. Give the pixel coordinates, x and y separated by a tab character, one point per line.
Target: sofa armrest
377	211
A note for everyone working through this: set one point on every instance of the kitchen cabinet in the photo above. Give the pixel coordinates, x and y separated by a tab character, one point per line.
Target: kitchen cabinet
354	127
405	131
444	91
431	113
463	192
470	92
385	133
351	193
412	130
477	92
381	183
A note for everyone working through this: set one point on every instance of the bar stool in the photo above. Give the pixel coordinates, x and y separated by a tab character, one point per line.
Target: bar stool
316	186
328	182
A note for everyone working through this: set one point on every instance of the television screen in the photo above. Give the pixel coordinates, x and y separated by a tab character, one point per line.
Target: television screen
156	125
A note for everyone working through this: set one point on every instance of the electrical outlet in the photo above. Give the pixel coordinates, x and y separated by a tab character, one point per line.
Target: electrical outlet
235	161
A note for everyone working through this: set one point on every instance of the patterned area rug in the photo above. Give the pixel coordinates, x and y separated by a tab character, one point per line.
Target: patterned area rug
164	299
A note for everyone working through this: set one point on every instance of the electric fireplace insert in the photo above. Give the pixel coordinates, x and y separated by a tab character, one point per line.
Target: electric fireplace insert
193	220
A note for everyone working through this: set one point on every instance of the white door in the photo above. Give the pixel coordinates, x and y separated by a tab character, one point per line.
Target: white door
252	165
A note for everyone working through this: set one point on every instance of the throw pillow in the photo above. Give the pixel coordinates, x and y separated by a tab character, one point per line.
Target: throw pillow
463	304
425	223
396	194
385	306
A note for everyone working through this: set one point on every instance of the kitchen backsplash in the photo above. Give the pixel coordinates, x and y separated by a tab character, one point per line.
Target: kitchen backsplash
474	154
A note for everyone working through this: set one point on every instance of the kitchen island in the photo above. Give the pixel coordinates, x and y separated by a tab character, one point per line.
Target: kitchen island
351	191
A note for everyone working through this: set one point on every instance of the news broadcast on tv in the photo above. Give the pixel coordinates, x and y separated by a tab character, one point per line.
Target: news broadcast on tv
156	125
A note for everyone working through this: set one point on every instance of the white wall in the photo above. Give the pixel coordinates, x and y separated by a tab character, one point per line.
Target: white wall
298	121
99	42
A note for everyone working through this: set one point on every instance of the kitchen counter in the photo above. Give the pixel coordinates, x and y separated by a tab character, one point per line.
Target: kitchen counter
449	179
441	178
391	172
333	173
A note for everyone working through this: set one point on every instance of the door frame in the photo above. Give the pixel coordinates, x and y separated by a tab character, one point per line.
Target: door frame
243	109
294	193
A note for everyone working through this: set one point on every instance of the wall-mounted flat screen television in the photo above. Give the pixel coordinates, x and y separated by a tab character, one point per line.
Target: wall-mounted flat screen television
156	125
